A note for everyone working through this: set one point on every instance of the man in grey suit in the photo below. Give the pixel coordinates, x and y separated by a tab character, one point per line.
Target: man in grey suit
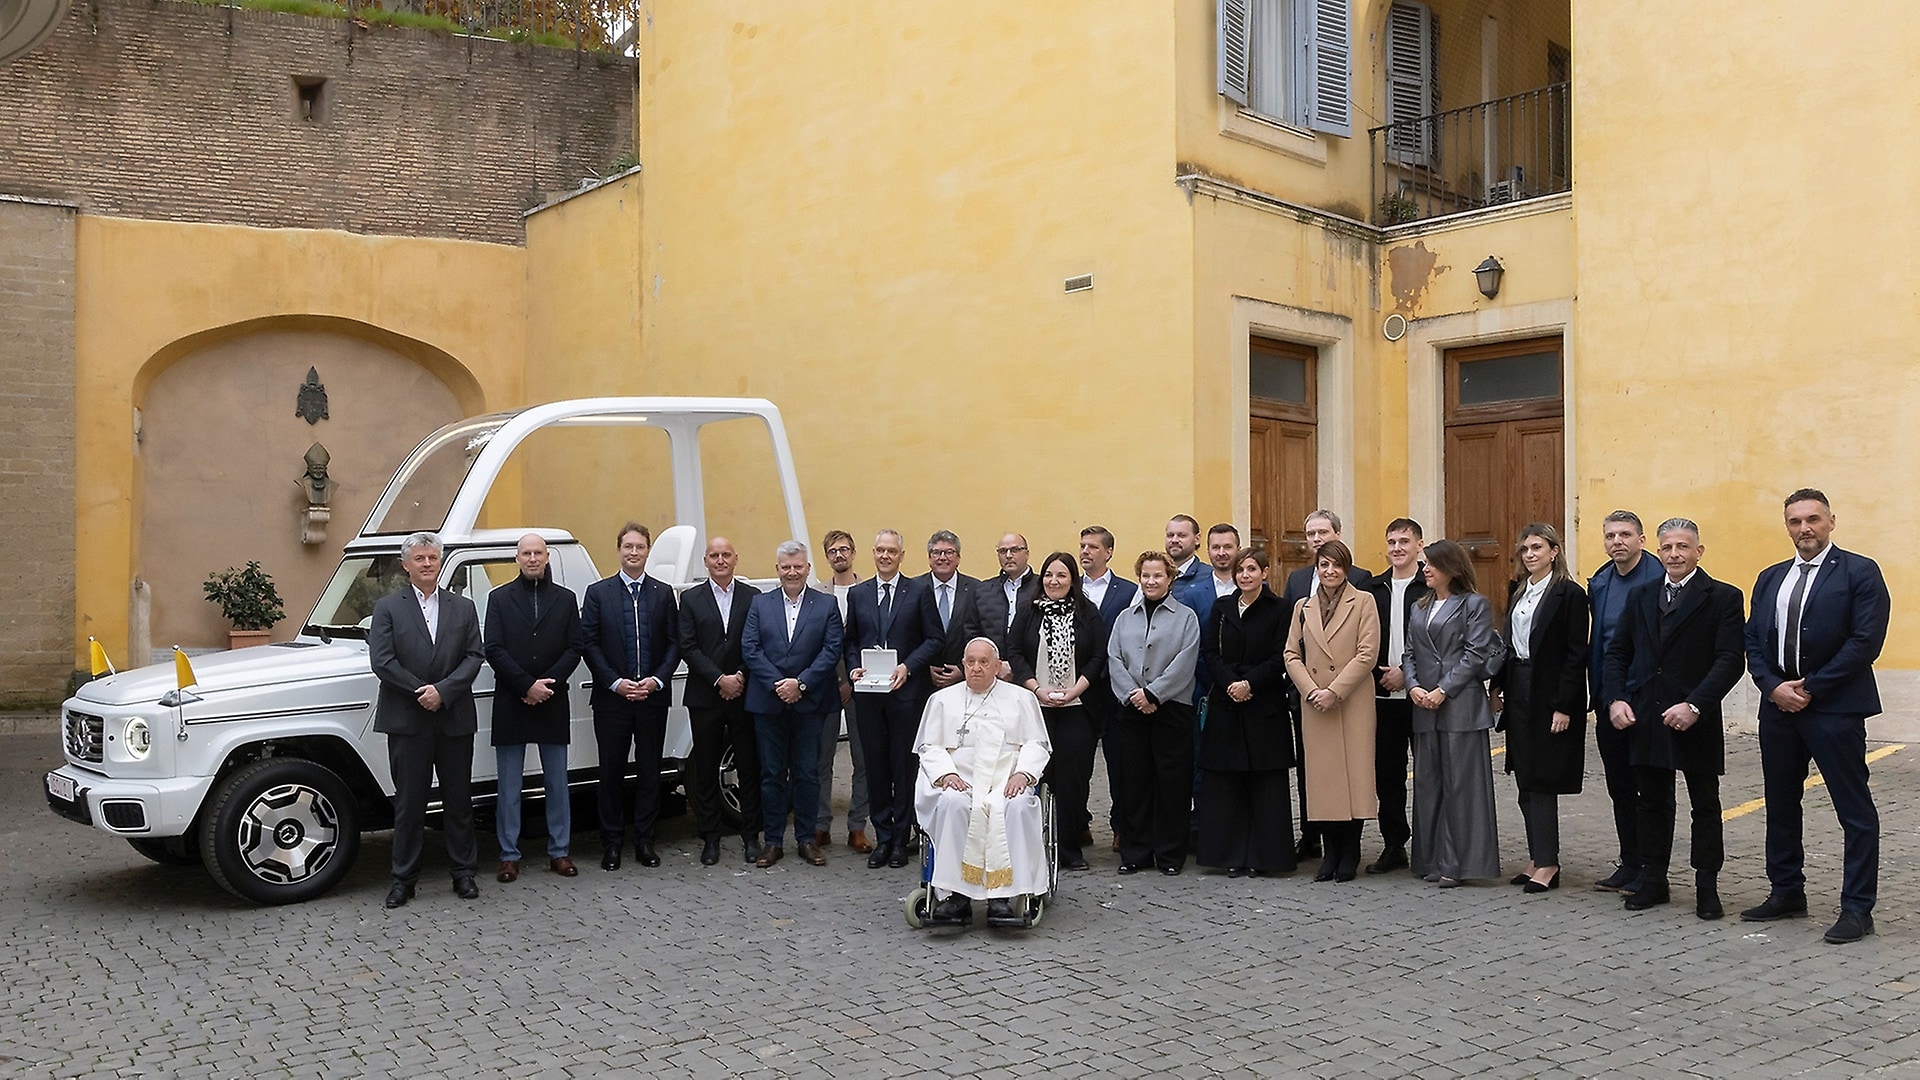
424	646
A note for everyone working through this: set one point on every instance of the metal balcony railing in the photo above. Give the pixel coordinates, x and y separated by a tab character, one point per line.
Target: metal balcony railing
1470	158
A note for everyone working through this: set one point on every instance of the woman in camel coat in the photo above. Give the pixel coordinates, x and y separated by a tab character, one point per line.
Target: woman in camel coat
1332	640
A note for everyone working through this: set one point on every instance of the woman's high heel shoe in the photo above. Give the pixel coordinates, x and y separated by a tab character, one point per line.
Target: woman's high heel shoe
1533	886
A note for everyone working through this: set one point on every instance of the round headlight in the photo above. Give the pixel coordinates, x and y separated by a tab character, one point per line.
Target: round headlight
139	738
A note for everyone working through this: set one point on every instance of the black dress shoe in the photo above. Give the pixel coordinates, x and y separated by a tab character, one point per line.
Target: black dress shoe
710	851
749	848
1706	902
1853	926
1394	858
465	888
1621	880
897	854
1327	869
644	853
1650	894
1000	913
610	860
399	894
1074	861
954	906
1172	869
879	857
1535	888
1129	868
1777	906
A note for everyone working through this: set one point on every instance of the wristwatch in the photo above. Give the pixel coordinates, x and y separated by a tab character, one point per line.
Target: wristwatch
1691	705
803	686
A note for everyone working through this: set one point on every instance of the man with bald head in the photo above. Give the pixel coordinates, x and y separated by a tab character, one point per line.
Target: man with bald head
996	600
532	641
712	618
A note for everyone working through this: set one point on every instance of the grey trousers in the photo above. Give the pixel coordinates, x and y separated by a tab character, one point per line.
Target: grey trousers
829	749
1455	831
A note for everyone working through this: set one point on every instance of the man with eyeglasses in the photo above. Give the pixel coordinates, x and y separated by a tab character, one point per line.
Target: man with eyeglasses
838	546
996	601
952	593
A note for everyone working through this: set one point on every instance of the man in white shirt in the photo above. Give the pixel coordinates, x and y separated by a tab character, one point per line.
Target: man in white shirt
1394	594
952	597
838	546
1112	594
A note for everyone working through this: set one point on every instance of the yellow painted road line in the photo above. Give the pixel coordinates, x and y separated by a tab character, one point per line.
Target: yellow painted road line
1813	781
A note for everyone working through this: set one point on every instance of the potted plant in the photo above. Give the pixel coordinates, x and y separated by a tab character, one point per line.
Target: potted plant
249	601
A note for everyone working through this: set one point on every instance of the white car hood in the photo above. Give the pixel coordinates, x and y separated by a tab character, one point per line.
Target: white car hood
278	664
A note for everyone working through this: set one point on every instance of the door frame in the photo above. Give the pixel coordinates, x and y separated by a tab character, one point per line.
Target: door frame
1427	341
1332	337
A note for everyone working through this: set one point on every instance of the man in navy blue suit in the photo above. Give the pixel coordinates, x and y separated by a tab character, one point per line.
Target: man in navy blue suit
891	611
790	646
629	629
1818	622
1112	594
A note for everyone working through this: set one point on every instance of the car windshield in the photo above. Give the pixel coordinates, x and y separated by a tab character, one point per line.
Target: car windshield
346	604
431	480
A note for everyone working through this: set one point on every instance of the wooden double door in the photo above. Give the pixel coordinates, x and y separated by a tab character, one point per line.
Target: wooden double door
1505	453
1283	452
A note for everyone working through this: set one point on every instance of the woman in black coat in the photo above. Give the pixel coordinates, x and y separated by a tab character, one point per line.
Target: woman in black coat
1246	747
1544	686
532	642
1059	650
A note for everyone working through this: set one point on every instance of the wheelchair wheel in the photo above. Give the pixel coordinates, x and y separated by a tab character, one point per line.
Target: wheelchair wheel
1037	907
919	903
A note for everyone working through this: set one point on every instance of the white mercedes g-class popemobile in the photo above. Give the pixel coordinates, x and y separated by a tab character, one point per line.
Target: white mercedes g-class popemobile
268	768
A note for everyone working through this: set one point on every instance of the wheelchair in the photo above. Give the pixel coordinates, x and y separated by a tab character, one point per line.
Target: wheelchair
1028	910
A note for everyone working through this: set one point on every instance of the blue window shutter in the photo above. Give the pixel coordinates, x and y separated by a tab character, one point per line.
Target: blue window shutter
1234	52
1330	67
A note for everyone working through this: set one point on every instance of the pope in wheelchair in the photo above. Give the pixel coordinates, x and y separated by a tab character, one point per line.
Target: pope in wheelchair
983	747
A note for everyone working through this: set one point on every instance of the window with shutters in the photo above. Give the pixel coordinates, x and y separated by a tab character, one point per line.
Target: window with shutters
1289	61
1413	82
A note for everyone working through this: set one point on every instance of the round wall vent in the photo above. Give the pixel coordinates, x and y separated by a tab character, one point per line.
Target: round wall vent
1395	327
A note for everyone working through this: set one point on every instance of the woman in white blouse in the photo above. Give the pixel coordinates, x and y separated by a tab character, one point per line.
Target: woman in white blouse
1544	687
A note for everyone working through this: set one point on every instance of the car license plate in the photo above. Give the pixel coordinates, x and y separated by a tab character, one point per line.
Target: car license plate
60	787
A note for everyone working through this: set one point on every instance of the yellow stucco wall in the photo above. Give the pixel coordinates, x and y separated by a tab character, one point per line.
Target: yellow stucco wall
149	292
869	221
1744	309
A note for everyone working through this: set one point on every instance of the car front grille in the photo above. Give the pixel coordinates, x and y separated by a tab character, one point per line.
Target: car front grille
84	736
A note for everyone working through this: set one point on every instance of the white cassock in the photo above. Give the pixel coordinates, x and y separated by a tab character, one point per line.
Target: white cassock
985	844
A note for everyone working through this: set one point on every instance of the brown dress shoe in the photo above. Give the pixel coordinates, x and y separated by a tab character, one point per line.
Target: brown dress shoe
509	871
564	867
768	857
857	840
822	838
812	853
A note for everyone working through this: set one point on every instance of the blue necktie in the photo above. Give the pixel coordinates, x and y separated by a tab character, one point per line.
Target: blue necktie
639	662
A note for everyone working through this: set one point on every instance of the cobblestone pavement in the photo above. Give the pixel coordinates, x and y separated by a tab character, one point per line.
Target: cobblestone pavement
116	966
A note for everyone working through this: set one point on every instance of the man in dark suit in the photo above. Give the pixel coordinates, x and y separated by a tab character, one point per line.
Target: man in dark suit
952	593
791	645
424	645
1628	566
1394	594
1182	546
713	616
891	611
1112	594
1819	621
1674	655
995	601
533	645
630	634
1321	526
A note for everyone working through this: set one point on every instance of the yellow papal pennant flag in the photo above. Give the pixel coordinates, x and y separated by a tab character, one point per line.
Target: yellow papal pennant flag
101	665
182	669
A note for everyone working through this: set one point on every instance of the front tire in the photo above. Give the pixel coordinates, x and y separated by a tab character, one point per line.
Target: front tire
280	831
729	783
919	903
168	850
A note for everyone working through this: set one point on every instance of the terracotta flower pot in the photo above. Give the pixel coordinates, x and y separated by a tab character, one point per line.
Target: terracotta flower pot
240	639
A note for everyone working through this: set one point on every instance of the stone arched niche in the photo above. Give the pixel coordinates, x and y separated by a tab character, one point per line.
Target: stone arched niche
221	453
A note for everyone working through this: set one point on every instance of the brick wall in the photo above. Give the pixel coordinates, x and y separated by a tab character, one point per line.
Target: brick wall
187	112
36	449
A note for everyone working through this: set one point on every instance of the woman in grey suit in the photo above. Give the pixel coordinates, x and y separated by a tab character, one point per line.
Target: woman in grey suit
1450	646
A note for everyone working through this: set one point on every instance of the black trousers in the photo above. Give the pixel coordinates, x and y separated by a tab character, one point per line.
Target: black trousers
1070	772
1838	744
1616	760
1101	712
887	723
1656	820
1309	828
413	759
1246	819
1156	783
714	727
642	730
1392	741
